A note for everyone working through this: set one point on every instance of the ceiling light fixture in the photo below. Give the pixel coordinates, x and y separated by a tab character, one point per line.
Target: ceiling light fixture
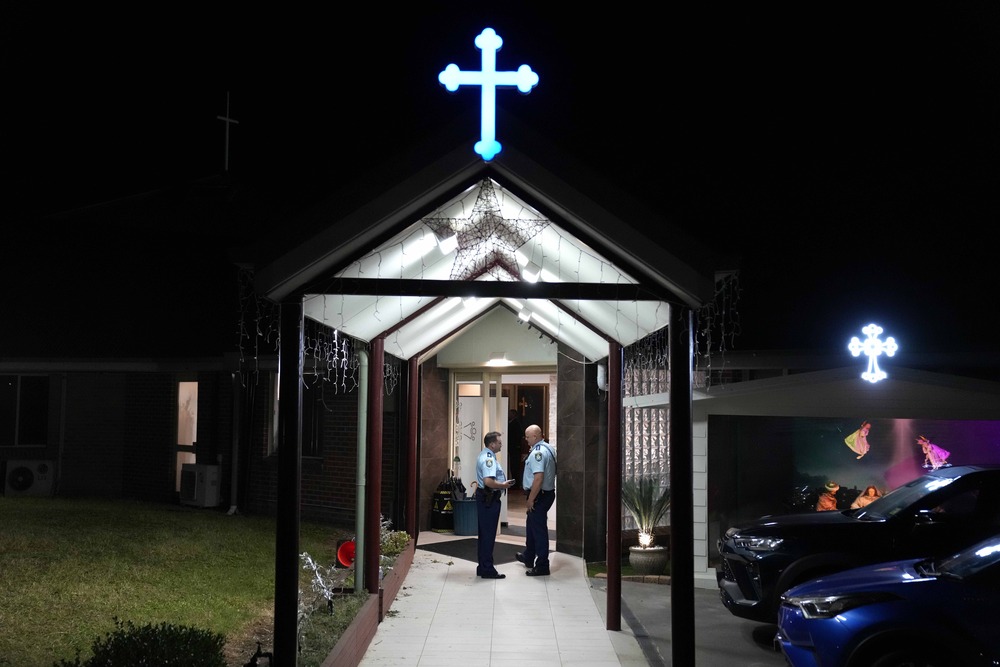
499	359
447	240
524	315
530	272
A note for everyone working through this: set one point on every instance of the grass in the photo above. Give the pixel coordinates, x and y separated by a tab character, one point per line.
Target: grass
601	567
596	568
68	567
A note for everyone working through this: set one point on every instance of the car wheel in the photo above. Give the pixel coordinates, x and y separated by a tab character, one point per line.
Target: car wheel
909	657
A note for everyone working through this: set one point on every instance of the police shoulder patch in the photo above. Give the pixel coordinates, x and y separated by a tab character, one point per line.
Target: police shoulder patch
489	463
538	456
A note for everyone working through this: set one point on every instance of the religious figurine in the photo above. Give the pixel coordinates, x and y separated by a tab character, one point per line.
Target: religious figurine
858	441
870	494
934	457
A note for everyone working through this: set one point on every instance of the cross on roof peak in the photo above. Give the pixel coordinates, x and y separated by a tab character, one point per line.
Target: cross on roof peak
488	78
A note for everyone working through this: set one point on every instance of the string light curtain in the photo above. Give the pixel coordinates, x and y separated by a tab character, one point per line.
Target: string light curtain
329	355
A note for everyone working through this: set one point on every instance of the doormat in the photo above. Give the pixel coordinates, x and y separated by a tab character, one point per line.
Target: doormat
466	550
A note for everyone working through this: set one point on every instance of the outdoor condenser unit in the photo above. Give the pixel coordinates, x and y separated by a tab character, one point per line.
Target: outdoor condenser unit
29	478
200	485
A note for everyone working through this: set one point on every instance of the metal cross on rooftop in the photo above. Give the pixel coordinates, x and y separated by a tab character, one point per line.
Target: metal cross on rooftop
873	347
228	121
488	78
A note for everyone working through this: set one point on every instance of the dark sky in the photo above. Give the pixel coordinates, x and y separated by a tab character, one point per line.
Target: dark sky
849	154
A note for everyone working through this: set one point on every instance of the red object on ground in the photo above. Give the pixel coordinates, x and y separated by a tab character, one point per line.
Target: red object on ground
345	553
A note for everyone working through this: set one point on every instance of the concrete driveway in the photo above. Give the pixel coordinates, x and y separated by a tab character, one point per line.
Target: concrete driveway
721	639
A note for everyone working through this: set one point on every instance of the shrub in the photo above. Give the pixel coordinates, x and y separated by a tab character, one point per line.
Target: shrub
647	504
391	542
162	645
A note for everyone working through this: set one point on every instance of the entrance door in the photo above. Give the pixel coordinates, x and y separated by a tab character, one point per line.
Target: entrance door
477	412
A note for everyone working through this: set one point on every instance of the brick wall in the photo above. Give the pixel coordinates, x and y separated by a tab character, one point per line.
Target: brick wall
329	479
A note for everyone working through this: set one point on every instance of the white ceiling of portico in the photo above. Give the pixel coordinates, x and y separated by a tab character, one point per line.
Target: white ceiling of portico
498	235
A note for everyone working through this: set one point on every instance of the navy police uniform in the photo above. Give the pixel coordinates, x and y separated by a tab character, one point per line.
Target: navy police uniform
541	459
488	511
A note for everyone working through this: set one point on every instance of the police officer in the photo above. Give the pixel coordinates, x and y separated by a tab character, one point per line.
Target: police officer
492	485
539	482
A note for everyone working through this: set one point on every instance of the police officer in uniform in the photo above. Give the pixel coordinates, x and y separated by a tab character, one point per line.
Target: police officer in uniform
492	485
539	483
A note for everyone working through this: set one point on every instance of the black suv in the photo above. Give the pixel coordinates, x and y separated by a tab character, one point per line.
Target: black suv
936	514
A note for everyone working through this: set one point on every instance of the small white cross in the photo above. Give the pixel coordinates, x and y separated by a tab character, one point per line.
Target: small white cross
488	79
228	121
873	347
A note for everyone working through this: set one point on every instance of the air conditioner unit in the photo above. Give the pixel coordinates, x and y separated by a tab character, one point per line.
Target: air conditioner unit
29	478
200	485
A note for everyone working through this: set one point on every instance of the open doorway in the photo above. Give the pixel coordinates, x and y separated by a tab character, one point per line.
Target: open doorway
528	403
532	400
508	403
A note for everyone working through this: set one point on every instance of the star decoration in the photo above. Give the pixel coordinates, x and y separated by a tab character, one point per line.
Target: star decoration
486	240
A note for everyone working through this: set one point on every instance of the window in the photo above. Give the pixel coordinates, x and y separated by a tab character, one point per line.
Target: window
187	413
24	410
187	426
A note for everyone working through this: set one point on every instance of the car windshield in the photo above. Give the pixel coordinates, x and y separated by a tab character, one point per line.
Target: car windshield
902	497
972	560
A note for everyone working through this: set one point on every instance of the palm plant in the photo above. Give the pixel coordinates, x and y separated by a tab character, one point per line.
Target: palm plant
647	504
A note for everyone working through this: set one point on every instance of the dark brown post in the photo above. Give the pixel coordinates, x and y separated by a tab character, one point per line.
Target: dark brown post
413	407
681	355
614	598
286	548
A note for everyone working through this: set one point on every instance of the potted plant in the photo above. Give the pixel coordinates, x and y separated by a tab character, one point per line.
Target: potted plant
648	505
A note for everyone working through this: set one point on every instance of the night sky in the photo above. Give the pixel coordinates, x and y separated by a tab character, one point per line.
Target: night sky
848	154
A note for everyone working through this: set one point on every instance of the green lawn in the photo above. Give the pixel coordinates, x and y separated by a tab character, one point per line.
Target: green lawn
595	568
68	567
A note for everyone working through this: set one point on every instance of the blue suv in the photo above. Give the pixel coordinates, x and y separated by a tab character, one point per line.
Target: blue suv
907	613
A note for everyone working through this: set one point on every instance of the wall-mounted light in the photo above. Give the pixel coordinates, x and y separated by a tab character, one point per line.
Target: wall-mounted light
499	359
530	272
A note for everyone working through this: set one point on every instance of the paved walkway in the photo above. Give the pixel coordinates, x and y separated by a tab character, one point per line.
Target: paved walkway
446	615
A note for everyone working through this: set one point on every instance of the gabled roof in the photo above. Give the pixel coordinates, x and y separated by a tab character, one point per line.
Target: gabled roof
381	268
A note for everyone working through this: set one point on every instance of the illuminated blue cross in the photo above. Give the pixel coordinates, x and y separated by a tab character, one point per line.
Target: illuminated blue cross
872	347
489	78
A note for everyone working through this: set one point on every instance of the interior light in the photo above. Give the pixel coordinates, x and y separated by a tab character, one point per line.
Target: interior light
469	301
499	359
530	272
524	315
